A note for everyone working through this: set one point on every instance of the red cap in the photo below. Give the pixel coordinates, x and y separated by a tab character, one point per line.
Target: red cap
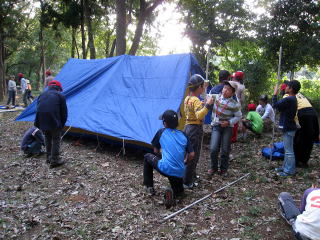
239	74
283	86
251	107
20	74
55	83
48	72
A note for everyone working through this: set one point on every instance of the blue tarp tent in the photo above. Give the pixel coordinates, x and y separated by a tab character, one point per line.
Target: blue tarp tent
121	98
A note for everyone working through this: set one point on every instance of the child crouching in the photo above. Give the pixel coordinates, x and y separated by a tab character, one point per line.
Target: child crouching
174	145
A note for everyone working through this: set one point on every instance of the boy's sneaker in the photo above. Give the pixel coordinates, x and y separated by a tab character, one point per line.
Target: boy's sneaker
211	172
190	186
168	198
284	174
224	173
279	169
150	191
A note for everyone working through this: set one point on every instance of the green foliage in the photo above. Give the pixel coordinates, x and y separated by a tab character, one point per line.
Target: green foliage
247	56
213	23
310	89
294	24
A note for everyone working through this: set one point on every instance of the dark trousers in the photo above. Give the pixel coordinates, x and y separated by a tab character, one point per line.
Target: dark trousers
305	137
150	163
33	148
194	133
52	140
11	97
25	98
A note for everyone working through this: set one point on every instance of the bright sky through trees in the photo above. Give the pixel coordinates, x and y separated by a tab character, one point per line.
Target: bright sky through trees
172	38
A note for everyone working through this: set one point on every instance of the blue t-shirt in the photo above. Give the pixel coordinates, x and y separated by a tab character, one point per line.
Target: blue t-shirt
174	144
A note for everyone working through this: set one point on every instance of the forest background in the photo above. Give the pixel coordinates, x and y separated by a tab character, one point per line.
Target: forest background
227	34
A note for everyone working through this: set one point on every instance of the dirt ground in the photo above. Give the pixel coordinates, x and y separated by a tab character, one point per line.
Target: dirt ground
99	194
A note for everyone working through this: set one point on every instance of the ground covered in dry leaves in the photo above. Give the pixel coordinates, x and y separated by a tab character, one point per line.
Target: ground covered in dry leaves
99	194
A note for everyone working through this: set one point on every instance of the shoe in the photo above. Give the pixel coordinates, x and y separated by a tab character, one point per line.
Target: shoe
168	198
211	172
56	163
48	159
150	191
190	186
279	169
283	174
302	165
223	173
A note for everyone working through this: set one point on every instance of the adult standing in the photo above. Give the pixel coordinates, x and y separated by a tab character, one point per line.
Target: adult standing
12	89
238	78
308	133
24	86
51	117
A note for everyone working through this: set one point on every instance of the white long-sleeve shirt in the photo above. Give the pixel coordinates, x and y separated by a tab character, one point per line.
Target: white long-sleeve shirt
266	111
12	86
23	85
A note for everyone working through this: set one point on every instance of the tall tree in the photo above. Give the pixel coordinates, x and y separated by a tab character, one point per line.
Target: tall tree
10	17
212	23
145	11
121	27
294	24
88	11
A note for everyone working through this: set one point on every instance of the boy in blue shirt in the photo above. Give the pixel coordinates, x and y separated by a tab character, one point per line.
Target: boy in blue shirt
175	148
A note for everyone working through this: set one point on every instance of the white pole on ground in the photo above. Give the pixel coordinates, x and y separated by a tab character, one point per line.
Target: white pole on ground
202	199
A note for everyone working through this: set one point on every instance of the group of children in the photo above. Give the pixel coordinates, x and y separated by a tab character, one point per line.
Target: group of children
175	163
26	89
225	103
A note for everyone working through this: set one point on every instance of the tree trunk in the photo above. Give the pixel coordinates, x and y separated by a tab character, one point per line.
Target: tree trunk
73	45
42	57
113	48
87	11
2	78
145	12
121	28
83	36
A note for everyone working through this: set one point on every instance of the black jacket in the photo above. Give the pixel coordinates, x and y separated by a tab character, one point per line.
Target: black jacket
31	135
288	109
52	112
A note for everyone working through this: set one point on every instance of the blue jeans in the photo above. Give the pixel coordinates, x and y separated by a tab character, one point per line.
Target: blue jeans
220	138
289	163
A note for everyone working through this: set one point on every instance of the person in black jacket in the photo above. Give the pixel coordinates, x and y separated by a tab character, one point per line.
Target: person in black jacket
32	142
51	117
288	109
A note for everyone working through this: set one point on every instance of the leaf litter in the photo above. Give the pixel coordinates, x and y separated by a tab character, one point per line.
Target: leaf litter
98	195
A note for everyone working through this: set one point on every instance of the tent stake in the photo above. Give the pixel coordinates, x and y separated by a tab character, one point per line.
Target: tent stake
202	199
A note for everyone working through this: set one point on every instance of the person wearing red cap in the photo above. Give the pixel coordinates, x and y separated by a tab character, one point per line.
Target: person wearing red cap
24	86
253	121
51	116
238	78
48	78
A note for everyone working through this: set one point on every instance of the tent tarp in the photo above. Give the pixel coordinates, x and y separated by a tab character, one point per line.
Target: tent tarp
122	96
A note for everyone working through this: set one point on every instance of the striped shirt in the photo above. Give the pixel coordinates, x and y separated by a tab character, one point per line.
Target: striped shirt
225	109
